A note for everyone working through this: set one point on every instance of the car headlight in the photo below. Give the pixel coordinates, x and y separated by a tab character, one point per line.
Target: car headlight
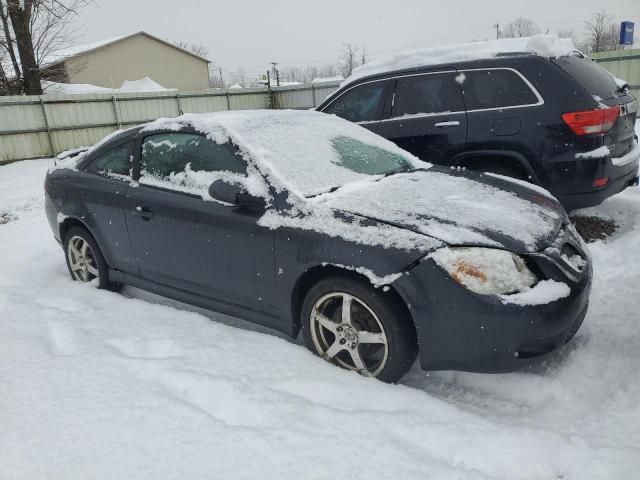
487	271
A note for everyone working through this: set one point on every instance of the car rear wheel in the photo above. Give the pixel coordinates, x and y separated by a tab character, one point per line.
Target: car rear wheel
85	261
357	327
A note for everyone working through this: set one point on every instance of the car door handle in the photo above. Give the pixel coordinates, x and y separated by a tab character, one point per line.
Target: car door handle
453	123
143	212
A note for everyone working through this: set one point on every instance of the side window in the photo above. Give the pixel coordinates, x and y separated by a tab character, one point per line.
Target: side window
432	93
167	154
496	88
360	104
117	160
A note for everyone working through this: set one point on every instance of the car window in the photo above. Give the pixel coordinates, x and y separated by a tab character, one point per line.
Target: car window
170	153
115	161
360	104
494	89
432	93
593	77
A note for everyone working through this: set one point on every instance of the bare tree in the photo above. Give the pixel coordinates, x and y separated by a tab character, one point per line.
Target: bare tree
520	27
195	48
32	30
364	55
240	77
601	33
348	59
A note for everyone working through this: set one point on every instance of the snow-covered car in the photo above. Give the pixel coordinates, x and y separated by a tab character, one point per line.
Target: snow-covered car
302	220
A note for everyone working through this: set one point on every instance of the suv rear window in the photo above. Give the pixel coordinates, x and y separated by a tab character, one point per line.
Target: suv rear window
495	88
595	79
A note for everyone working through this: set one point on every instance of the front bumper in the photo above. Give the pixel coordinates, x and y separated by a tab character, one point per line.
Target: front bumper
461	330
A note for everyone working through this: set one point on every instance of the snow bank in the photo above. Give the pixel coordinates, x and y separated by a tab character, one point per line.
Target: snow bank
54	88
542	45
142	85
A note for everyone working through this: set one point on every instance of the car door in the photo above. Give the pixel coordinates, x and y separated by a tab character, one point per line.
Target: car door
362	104
427	116
185	241
105	191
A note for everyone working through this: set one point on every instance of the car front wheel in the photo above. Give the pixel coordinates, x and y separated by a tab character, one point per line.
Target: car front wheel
357	327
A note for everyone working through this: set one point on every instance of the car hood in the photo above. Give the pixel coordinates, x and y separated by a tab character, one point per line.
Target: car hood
457	207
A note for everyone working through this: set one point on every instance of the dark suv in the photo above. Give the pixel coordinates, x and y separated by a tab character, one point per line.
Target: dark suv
563	123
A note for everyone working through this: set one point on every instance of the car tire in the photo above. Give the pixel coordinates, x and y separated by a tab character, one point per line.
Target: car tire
85	260
376	329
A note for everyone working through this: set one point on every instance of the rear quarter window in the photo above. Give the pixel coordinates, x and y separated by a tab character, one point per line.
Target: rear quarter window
496	88
594	78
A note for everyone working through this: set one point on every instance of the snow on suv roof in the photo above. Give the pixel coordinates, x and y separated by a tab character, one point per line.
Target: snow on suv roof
541	45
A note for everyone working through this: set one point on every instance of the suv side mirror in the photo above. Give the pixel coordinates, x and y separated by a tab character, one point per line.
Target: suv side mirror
234	194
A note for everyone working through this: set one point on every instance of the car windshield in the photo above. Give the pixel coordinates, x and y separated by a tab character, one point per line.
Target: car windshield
368	159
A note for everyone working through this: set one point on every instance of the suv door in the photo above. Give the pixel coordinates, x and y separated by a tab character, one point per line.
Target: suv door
362	104
427	116
498	102
192	243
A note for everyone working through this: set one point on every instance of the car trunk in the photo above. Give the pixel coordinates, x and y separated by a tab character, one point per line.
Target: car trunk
607	93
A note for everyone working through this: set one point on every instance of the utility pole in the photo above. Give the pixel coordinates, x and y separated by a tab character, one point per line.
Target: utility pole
497	27
269	92
275	73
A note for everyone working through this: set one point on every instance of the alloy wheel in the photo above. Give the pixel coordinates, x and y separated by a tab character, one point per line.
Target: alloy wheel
82	261
345	331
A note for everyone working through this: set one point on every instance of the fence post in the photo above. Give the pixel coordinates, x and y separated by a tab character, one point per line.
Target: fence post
228	100
313	95
180	112
115	111
46	126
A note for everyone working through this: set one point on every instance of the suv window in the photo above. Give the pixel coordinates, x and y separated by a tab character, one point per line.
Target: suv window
360	104
494	89
431	93
166	154
117	160
595	79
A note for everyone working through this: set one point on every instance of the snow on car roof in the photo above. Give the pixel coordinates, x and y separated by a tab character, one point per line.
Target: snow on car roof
543	45
295	148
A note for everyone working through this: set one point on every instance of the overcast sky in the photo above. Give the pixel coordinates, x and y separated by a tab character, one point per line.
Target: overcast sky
252	33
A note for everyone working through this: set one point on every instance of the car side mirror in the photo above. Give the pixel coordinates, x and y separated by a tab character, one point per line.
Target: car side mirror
234	194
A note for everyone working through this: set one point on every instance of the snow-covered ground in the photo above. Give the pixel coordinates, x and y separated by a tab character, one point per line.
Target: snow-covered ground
97	385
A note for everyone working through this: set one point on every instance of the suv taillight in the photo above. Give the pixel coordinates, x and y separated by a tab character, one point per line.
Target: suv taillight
591	121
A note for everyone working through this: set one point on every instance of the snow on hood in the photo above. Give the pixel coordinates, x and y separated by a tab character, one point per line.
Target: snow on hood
543	45
457	208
